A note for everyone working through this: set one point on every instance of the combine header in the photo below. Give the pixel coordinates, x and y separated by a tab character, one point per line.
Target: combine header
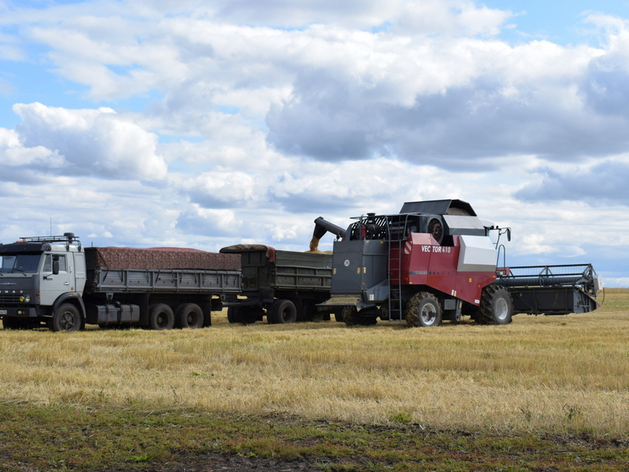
435	260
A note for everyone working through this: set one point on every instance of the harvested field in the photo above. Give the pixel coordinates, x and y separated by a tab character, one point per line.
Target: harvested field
562	377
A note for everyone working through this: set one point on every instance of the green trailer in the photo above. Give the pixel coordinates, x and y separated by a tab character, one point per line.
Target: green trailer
284	286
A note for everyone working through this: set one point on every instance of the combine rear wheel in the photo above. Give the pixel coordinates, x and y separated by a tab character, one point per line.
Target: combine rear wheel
350	315
368	316
496	305
423	310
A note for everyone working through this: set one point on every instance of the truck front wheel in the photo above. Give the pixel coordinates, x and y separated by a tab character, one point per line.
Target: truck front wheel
66	318
161	317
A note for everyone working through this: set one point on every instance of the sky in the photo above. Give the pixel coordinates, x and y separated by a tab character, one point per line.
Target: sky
152	123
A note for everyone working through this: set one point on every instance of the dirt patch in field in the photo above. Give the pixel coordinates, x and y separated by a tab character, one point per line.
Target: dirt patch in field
218	463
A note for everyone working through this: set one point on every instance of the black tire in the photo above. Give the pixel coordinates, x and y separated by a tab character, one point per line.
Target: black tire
66	318
231	314
300	309
283	311
161	317
243	314
189	315
350	315
496	305
369	316
423	310
310	312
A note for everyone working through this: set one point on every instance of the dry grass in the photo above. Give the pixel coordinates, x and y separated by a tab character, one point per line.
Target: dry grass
557	374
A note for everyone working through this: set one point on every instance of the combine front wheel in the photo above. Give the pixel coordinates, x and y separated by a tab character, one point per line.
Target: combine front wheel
423	310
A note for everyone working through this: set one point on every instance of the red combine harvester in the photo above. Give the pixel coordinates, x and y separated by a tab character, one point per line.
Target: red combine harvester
435	260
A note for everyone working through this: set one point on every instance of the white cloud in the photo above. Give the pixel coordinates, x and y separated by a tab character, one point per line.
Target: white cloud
93	142
13	154
301	109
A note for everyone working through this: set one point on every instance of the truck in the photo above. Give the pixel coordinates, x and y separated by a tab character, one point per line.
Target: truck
436	260
284	286
56	281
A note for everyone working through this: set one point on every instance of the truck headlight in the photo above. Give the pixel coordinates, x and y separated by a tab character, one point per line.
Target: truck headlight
25	298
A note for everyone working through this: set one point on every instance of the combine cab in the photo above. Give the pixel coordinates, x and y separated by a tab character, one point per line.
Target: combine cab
435	261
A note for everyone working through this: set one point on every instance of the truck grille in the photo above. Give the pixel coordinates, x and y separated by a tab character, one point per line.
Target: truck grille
9	298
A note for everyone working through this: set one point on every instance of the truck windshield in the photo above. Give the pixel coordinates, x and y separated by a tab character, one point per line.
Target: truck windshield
20	263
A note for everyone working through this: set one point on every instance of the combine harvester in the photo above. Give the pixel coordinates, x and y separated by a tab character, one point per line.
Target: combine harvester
435	261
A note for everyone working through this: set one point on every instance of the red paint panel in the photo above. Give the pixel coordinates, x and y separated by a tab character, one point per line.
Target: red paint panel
434	265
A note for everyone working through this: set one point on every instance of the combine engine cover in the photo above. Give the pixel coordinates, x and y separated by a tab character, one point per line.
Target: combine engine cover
460	270
478	254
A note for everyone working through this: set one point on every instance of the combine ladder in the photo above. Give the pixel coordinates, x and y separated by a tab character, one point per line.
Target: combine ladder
394	267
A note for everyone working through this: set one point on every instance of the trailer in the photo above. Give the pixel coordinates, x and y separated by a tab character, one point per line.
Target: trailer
284	286
56	281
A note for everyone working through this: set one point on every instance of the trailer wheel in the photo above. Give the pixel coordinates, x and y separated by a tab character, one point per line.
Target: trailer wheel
283	311
423	310
66	318
496	305
161	317
189	315
243	314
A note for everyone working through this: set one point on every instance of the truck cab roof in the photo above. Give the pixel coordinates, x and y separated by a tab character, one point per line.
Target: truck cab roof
39	244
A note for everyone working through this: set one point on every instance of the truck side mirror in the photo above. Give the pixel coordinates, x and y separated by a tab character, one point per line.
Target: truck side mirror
55	265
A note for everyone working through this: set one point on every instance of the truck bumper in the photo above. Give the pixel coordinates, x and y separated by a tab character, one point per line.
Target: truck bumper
19	312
